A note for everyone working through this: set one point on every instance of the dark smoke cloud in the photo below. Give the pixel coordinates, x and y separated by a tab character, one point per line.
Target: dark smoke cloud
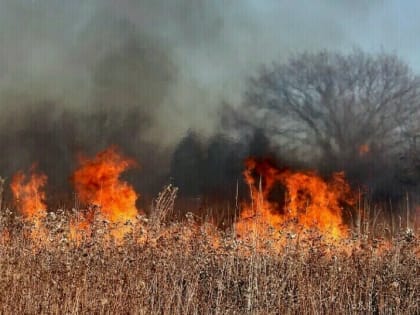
81	75
213	167
48	115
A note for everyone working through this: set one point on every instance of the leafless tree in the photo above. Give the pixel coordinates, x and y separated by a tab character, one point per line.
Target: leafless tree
337	107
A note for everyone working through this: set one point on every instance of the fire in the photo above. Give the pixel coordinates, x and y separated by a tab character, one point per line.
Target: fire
29	195
310	203
315	202
80	226
97	182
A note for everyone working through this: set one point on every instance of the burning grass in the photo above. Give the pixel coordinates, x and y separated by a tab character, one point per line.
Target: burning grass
291	256
310	203
97	182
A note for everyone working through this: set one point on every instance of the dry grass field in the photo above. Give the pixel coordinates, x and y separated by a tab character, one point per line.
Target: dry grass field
191	268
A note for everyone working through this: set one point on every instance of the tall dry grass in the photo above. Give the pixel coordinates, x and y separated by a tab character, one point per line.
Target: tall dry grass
190	267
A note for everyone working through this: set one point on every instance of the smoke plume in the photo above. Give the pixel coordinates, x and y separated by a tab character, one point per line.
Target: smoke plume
77	76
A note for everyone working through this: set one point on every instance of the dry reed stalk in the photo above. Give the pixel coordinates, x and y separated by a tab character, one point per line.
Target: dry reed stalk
163	205
2	181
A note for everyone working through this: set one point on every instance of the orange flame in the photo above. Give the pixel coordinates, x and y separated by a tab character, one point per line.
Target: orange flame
97	181
80	226
29	194
309	203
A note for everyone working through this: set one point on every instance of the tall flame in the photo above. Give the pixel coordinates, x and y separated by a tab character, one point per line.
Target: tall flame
309	203
97	181
29	195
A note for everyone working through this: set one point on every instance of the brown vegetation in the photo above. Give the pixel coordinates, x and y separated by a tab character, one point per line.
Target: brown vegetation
191	268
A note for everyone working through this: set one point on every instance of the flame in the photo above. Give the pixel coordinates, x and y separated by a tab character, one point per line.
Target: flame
97	182
310	202
284	205
80	226
29	195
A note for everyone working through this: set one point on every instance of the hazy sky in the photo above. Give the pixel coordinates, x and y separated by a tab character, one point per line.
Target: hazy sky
52	49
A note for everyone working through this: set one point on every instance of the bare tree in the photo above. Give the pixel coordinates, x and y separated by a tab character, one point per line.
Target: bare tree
336	107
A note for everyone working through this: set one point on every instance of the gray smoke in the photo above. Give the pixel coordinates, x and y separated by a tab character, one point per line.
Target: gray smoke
81	75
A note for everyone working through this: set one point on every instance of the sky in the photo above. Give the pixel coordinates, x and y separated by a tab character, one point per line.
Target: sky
190	56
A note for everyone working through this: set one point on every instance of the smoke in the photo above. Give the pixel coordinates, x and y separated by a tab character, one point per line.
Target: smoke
81	75
77	78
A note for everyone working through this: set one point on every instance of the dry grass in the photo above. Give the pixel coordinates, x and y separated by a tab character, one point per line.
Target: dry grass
177	269
190	267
